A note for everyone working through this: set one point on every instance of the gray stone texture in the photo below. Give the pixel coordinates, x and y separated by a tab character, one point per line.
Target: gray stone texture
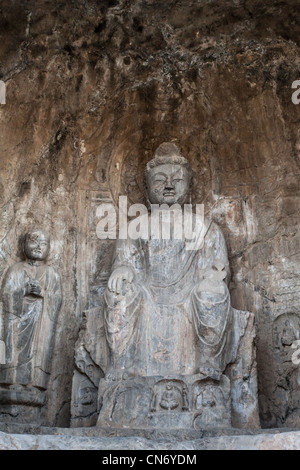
93	89
174	354
288	440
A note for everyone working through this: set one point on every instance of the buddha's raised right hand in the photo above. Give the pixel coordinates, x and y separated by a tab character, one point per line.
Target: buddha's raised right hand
115	282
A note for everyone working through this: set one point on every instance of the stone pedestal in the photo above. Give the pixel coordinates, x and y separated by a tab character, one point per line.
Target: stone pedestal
173	402
22	404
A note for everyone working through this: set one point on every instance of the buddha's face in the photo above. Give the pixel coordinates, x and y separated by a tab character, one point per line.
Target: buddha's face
37	246
168	184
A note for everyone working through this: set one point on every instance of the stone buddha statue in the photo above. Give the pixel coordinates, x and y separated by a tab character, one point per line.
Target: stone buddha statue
168	308
31	297
168	321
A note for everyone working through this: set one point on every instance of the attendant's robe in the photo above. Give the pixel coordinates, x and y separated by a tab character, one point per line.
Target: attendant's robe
29	324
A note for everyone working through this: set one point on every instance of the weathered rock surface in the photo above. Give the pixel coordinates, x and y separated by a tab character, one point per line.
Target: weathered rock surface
94	87
263	441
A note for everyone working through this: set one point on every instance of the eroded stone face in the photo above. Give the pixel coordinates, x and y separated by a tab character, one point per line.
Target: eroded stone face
36	246
168	184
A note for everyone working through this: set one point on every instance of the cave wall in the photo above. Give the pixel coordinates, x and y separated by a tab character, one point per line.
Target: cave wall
93	87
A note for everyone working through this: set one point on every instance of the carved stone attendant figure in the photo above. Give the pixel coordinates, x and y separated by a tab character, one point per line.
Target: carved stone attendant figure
32	299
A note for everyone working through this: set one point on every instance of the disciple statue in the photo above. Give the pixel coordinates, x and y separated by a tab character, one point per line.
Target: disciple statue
32	299
167	315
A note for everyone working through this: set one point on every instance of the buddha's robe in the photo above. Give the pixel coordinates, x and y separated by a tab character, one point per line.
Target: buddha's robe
163	323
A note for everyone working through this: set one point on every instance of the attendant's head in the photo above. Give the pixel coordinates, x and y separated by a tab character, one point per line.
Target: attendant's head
37	245
168	176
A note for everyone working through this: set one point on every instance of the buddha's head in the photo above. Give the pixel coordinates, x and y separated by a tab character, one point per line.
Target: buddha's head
168	176
37	245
